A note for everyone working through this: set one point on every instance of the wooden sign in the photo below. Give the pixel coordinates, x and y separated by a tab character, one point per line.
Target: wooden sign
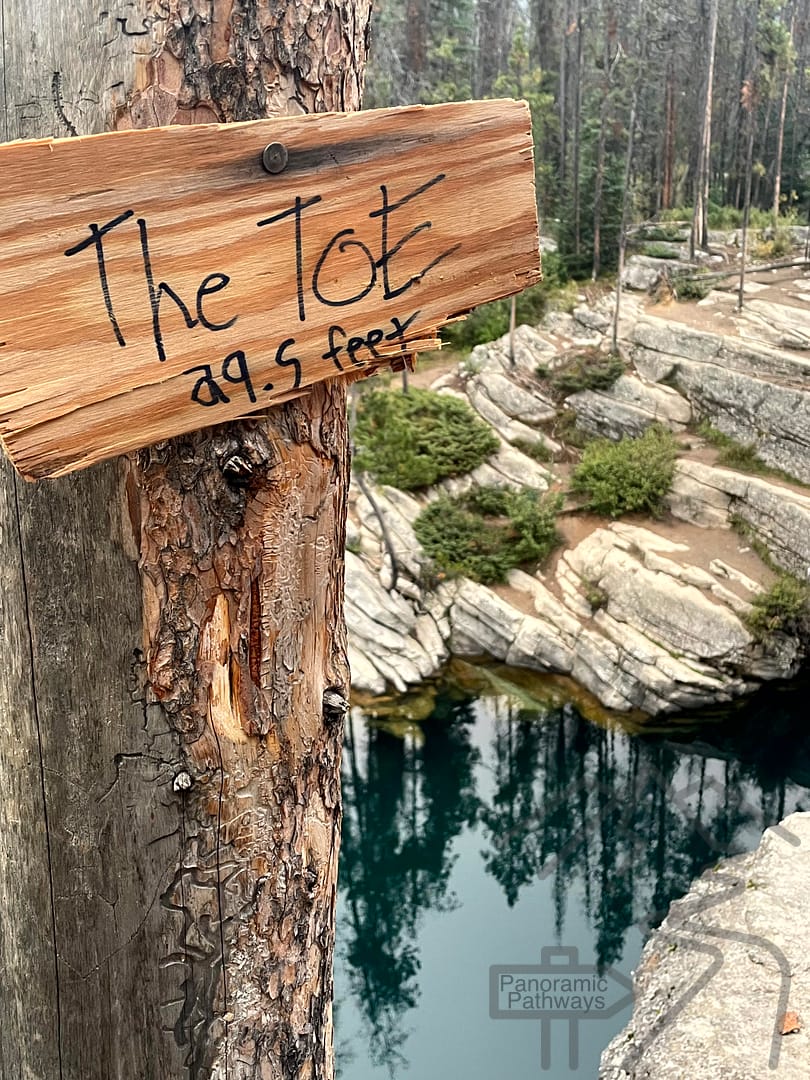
155	282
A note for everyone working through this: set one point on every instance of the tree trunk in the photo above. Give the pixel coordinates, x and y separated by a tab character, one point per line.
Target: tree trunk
494	21
563	95
599	172
416	38
669	138
749	109
544	34
780	144
577	185
699	233
756	198
173	652
780	136
626	203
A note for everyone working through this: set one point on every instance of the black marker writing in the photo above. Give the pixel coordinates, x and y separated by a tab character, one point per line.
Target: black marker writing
209	285
96	238
297	210
155	294
390	291
342	247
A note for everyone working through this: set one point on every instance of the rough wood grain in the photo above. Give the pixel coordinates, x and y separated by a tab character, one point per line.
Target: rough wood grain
152	929
213	289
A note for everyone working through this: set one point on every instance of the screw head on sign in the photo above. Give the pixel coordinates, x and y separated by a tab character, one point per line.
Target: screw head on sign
275	157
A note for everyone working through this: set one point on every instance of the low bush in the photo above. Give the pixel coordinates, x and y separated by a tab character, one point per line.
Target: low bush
588	371
670	234
742	456
488	531
691	286
784	607
413	440
536	450
566	430
733	454
632	475
658	251
730	217
595	595
776	247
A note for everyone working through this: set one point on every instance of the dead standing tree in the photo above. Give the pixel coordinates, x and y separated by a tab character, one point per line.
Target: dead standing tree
171	630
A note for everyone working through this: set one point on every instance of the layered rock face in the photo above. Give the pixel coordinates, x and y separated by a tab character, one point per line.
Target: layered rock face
641	617
723	983
628	613
755	394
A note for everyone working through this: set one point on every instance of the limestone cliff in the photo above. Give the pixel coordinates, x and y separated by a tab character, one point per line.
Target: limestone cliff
645	615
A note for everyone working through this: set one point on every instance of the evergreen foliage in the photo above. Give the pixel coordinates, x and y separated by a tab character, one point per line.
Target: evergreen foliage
588	371
591	72
488	531
784	607
413	440
629	476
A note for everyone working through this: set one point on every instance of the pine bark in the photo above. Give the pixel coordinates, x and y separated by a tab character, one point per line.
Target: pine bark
172	656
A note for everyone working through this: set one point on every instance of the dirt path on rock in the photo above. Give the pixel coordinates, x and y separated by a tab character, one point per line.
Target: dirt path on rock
716	314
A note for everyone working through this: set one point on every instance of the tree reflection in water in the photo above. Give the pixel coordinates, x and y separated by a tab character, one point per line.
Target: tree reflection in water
628	820
405	797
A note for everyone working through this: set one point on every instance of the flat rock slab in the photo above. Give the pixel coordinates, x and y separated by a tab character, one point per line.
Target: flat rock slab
727	973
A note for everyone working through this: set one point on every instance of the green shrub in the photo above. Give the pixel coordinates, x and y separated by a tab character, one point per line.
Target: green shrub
729	217
691	286
631	475
488	531
682	214
536	450
595	595
670	234
588	371
491	321
743	457
413	440
733	454
658	251
783	607
566	430
779	245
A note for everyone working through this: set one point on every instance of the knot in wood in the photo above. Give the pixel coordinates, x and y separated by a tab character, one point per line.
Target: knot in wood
182	782
237	470
335	706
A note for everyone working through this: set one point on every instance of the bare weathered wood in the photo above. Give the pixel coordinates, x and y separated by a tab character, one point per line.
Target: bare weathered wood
189	287
150	928
28	998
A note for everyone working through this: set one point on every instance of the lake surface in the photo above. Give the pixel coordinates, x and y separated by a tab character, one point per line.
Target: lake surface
488	823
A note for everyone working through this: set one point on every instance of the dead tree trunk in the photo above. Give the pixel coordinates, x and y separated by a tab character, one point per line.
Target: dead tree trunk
669	139
698	236
172	661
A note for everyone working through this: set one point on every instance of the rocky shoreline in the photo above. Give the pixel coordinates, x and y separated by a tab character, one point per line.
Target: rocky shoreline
723	984
645	615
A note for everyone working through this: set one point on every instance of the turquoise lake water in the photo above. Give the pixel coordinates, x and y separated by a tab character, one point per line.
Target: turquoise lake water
487	824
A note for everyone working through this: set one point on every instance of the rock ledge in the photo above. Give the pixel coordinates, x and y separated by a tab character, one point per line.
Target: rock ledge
726	967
